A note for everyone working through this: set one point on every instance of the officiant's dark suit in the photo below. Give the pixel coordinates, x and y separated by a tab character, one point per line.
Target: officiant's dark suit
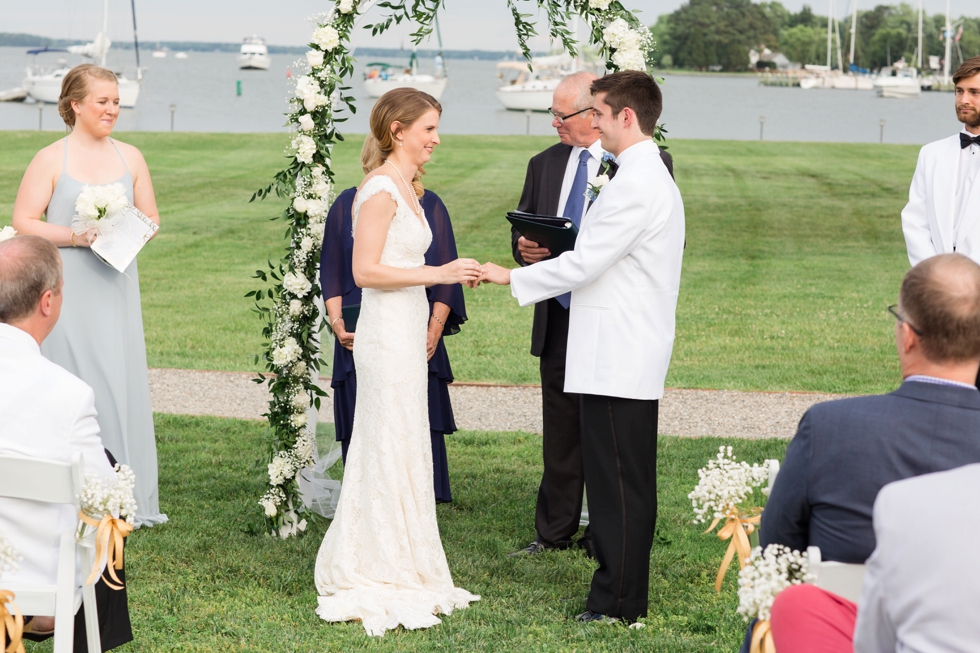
547	187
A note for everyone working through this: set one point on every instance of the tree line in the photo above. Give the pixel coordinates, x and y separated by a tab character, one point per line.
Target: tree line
718	34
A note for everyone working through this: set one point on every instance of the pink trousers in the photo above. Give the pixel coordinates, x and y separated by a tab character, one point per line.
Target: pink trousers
807	619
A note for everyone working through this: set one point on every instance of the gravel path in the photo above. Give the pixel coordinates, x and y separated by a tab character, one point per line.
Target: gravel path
691	413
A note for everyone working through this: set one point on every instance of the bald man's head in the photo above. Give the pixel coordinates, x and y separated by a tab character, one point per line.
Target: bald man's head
941	297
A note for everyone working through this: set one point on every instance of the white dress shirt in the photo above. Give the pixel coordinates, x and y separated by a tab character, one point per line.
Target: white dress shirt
966	177
570	169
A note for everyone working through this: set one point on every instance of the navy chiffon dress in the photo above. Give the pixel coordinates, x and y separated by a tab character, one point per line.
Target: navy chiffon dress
337	280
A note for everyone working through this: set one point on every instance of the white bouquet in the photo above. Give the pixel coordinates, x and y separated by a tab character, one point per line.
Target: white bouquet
725	483
7	233
98	207
100	498
768	573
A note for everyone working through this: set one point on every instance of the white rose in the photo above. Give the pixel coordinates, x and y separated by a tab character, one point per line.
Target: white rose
7	233
326	37
601	5
306	122
345	6
321	187
306	244
296	284
314	58
270	508
318	170
295	307
600	181
299	204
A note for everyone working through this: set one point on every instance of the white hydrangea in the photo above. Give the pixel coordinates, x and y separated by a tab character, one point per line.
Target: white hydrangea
100	497
316	231
618	34
725	483
316	209
629	60
326	37
287	353
345	6
305	448
767	574
7	233
301	401
298	420
299	369
601	5
314	58
297	284
295	307
305	148
306	123
9	558
281	469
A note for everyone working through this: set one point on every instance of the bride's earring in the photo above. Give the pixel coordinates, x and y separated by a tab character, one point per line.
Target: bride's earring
400	143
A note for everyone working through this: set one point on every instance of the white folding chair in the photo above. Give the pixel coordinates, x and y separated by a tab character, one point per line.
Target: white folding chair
54	482
840	578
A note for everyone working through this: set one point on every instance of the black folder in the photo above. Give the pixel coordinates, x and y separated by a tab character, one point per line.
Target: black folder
350	315
557	234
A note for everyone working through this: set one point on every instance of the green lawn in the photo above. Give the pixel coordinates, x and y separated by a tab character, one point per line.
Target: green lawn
206	582
793	252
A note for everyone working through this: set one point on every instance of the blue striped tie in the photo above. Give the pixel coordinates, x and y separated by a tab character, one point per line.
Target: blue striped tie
574	205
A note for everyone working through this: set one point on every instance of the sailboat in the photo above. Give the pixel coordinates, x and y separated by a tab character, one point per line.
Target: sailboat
379	78
46	87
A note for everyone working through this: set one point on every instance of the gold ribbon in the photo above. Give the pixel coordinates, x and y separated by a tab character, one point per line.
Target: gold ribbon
737	528
109	540
11	623
762	638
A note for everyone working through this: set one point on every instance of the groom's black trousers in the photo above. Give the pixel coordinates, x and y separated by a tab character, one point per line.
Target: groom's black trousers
619	450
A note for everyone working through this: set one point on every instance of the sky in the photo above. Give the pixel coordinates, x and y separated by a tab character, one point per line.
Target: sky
466	24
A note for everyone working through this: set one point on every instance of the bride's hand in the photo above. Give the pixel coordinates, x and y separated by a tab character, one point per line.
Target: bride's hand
493	273
462	270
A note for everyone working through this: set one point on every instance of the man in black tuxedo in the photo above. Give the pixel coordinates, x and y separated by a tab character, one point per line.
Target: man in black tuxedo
552	176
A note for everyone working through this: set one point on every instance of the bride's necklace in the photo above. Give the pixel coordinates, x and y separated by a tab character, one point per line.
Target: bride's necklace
417	208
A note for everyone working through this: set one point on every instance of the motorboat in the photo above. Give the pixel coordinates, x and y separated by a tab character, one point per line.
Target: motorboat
254	54
532	90
380	77
898	81
180	55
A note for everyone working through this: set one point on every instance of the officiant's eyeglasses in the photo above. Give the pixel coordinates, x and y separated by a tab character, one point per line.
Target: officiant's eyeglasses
562	119
893	309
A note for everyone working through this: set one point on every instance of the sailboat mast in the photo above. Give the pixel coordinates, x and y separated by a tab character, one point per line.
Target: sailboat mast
830	22
948	31
105	31
920	35
854	24
136	42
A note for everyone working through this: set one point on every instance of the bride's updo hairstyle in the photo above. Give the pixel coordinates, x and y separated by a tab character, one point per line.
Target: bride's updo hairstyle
75	86
401	105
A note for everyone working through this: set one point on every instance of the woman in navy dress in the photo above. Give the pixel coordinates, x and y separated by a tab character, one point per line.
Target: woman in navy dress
447	312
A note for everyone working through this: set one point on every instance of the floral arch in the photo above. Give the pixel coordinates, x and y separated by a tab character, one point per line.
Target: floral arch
288	303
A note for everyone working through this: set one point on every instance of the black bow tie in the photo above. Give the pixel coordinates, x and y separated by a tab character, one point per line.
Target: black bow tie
966	140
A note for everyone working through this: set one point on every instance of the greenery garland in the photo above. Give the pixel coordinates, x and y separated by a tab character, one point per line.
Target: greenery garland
287	303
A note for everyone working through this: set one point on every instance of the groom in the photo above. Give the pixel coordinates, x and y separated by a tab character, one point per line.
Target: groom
624	276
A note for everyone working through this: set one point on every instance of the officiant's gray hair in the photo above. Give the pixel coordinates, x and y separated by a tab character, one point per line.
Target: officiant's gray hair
29	267
581	84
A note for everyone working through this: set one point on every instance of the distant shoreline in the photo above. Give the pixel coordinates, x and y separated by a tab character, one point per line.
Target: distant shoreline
35	41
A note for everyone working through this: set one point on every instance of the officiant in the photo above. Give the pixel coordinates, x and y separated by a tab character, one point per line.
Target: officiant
447	313
555	184
624	277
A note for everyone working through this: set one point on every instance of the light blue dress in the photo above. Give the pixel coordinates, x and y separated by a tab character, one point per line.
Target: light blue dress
99	338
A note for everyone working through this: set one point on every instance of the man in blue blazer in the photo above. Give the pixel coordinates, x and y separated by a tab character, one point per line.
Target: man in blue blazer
845	451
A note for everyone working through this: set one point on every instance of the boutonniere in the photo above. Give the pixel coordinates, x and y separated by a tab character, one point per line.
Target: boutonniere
596	185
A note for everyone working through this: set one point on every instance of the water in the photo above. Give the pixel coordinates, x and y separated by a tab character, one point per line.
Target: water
203	90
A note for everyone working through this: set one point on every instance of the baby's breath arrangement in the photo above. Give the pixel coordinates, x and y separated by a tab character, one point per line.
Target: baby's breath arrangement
768	573
100	497
9	558
287	303
724	485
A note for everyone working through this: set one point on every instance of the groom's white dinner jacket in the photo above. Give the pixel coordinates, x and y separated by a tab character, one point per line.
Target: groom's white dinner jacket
45	412
624	275
929	220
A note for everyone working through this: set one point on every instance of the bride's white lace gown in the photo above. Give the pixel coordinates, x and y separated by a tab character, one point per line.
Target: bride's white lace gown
382	560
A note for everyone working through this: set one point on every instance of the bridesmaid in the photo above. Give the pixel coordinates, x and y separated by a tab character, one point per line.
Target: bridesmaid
446	309
99	337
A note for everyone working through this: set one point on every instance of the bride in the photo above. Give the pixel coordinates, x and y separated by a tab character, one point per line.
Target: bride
381	561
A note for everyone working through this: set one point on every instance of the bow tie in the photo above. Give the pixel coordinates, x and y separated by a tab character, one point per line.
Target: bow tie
966	140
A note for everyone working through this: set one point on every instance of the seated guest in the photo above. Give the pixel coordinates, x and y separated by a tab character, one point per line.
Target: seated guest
45	412
845	451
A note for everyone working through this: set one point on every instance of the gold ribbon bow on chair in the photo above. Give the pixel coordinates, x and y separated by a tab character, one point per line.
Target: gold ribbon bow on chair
109	536
762	638
737	529
11	623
